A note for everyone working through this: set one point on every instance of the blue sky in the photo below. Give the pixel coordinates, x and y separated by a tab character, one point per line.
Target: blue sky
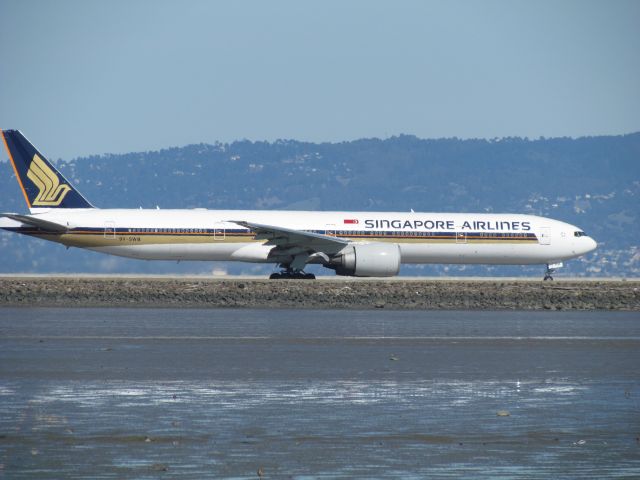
85	77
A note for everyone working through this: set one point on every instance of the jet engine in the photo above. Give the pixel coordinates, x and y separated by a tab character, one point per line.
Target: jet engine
368	260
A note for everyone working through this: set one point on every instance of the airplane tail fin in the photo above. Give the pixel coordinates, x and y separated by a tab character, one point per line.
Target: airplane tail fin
42	185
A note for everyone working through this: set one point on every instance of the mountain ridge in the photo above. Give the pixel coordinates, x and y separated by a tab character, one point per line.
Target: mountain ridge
592	182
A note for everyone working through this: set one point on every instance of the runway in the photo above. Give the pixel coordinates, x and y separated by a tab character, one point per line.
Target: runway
140	393
323	278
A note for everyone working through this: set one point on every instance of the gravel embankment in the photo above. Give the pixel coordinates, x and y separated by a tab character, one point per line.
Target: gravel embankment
397	294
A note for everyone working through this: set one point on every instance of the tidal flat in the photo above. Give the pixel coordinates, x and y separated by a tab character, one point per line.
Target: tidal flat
290	393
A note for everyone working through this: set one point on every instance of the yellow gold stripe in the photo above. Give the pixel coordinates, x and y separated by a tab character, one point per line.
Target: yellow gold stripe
15	169
95	239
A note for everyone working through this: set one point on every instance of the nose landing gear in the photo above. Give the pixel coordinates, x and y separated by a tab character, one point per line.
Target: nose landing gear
551	268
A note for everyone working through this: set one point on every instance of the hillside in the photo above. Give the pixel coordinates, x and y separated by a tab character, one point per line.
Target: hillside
592	182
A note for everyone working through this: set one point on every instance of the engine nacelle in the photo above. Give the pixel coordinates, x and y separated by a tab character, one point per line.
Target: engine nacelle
368	260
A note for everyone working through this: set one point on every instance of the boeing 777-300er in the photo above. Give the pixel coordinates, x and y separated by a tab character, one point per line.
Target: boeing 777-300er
361	244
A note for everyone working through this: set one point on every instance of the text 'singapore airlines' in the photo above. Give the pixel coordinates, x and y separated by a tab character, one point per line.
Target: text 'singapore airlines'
363	244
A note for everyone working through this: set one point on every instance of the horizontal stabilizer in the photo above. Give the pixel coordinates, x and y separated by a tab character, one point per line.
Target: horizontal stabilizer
35	222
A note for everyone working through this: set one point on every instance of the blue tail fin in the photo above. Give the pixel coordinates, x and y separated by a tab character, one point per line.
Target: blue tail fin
43	186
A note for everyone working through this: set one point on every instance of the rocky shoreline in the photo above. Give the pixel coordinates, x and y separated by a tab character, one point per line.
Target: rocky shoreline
395	294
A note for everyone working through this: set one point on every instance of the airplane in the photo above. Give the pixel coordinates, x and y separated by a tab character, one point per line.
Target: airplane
361	244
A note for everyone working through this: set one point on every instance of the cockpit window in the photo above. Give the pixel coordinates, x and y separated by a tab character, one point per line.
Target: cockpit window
579	234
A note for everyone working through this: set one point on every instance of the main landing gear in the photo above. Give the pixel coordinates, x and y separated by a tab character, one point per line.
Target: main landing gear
289	273
294	270
551	267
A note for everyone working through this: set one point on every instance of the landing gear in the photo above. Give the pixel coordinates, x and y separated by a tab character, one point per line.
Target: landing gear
551	267
294	270
289	273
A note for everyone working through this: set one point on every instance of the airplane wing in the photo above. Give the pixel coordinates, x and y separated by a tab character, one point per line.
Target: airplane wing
35	222
286	238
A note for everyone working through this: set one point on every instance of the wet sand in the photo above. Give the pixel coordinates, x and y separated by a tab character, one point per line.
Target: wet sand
155	393
396	294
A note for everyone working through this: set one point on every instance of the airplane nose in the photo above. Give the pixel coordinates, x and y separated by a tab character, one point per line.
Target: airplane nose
591	244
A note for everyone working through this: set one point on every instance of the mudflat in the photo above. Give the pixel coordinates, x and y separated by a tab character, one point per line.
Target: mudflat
151	393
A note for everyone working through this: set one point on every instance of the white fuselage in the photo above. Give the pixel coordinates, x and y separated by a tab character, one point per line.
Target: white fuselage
201	234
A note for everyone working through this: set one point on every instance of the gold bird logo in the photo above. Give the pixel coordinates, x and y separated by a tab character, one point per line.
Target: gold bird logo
51	192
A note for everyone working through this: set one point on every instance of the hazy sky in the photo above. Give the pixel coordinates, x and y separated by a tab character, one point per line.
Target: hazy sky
82	77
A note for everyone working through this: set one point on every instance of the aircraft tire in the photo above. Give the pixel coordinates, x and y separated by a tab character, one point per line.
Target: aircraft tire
292	276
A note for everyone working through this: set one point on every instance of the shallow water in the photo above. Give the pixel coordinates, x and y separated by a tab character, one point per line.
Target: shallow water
144	393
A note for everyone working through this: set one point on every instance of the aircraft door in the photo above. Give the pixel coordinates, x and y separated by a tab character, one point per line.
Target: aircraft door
461	237
219	231
110	229
545	236
330	229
